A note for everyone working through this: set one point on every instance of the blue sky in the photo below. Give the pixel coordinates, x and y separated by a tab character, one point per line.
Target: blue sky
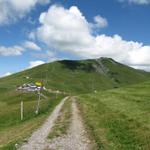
73	29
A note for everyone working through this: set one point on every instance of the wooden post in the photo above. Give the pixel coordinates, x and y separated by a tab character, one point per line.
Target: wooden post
38	103
21	110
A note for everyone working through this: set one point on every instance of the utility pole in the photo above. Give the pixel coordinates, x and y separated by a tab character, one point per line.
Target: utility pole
38	102
21	110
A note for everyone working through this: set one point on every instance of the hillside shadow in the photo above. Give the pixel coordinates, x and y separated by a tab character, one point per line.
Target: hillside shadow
77	65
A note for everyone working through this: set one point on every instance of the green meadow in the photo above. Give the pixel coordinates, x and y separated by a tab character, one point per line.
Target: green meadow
119	119
117	114
14	130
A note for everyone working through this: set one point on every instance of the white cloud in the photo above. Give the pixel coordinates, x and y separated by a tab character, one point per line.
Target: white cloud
11	10
147	68
35	63
64	29
11	51
139	2
100	21
6	74
68	30
17	50
31	45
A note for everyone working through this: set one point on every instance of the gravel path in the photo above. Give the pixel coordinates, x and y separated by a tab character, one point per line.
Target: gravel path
38	140
76	139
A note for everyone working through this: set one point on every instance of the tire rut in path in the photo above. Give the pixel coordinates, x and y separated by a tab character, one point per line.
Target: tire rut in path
38	139
76	138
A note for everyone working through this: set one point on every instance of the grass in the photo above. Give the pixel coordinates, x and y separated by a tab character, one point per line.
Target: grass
63	121
12	129
76	77
123	75
119	119
72	77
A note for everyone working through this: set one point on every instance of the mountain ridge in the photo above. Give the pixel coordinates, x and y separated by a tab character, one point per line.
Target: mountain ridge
75	76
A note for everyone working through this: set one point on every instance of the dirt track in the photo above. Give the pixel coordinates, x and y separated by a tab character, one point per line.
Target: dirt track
38	139
75	139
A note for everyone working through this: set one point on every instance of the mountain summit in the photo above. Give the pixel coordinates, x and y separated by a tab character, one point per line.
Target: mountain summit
79	76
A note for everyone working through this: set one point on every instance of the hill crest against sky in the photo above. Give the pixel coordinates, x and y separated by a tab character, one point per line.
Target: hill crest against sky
79	75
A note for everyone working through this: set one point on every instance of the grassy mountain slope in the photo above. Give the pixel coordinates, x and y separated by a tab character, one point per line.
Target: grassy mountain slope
73	77
78	76
12	129
119	118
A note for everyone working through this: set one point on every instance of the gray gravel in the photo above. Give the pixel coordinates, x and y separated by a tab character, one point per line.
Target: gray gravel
38	139
76	139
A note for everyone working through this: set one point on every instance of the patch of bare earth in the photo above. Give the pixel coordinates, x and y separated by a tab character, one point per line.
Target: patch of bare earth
76	137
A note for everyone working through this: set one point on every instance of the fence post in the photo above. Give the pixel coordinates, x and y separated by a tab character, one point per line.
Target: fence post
38	104
21	110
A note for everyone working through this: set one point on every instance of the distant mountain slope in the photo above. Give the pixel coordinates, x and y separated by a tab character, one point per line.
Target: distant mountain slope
78	76
121	74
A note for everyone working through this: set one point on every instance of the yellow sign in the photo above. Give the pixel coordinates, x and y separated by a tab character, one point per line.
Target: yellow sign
38	83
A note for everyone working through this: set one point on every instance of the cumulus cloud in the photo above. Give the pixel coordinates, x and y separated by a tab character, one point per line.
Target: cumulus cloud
67	30
17	50
35	63
11	10
6	74
31	45
147	68
64	29
100	21
139	2
11	51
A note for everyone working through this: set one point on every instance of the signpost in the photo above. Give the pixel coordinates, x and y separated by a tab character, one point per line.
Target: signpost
30	87
38	84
